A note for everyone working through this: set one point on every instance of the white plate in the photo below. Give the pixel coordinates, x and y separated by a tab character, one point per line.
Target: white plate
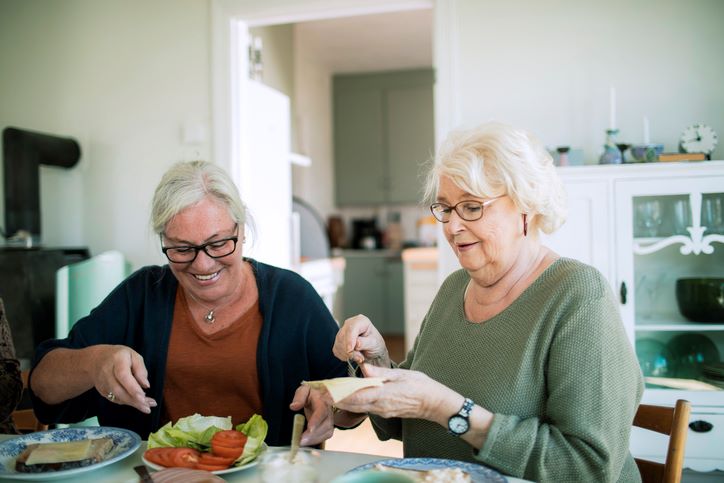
125	442
478	473
233	469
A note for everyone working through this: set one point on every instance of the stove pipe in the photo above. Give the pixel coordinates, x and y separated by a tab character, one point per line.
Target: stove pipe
23	153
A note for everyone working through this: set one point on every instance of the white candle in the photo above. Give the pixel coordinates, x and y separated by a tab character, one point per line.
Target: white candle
647	137
612	108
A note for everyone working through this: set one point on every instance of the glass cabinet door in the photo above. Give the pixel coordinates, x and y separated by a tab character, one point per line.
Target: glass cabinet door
670	256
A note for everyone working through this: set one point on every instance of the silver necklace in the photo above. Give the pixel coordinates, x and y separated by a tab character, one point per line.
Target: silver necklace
210	317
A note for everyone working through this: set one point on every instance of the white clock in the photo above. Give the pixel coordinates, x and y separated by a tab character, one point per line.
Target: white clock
698	138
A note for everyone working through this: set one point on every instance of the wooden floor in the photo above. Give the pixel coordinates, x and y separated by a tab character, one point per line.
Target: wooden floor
363	439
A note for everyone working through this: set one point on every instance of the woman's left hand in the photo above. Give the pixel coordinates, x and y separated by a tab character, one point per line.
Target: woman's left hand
318	410
405	394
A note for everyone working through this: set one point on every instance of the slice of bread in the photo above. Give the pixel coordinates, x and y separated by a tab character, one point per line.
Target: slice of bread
44	457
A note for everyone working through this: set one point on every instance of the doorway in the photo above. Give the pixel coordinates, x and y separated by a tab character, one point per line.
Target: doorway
373	38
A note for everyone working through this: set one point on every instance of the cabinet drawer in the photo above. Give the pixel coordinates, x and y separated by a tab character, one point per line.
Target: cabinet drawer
651	445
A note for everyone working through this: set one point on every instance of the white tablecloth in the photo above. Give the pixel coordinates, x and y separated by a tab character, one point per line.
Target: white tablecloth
333	464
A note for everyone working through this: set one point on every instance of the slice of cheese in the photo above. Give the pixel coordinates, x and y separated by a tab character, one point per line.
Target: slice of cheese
59	452
341	387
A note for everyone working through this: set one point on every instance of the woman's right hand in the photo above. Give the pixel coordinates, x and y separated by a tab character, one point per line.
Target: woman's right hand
120	372
360	341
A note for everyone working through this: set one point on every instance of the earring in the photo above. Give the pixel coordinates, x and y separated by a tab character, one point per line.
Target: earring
243	240
525	224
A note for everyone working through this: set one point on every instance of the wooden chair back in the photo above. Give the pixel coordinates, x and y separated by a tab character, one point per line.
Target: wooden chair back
673	422
25	420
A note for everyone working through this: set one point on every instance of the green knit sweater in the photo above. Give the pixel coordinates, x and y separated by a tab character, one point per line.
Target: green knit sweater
555	368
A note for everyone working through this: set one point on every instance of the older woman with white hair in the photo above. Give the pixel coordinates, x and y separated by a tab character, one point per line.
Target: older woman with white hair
211	332
522	362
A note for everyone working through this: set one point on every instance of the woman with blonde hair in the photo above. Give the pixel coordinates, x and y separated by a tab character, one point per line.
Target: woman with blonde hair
522	362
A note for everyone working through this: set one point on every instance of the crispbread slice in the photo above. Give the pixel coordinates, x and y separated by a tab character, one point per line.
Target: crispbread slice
341	387
61	456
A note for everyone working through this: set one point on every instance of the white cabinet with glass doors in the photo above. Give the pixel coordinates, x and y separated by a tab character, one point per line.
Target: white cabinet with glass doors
664	223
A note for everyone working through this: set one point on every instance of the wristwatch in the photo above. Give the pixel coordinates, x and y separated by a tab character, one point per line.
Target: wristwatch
459	423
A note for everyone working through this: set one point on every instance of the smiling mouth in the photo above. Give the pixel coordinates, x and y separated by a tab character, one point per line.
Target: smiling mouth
206	277
465	245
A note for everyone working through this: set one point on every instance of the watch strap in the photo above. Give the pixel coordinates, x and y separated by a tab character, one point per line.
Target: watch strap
467	408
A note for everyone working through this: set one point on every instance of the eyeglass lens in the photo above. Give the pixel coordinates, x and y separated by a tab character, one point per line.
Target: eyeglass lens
467	210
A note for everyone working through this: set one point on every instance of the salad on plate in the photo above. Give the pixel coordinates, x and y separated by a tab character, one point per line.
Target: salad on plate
208	443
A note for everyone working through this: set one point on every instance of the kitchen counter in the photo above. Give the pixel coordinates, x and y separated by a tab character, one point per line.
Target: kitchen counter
422	256
383	252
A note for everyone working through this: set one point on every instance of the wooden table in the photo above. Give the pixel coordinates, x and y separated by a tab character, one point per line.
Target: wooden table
333	464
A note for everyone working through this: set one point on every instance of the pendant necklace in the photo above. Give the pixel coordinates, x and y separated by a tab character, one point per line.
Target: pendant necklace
210	316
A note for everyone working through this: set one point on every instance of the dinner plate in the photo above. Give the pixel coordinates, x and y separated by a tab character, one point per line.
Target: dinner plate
125	442
478	473
233	469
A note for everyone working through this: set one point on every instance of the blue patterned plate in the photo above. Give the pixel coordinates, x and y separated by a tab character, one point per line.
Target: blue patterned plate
124	443
478	473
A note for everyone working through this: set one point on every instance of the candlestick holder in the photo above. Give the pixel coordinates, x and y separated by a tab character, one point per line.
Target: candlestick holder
611	153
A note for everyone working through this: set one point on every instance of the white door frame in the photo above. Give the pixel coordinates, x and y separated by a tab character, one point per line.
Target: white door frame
228	19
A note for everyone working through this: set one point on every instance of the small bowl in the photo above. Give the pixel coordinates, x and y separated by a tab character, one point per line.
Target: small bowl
276	467
701	299
646	153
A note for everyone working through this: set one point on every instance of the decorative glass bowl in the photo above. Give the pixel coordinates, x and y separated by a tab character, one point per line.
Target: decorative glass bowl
701	299
655	358
646	153
690	353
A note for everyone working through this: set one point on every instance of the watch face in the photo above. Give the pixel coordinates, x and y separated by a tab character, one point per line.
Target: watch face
458	424
698	138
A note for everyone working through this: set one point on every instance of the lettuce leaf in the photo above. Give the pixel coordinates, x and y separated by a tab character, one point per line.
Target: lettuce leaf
255	430
196	432
193	431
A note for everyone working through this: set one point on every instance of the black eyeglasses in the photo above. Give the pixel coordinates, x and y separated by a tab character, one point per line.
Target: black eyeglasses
215	249
468	210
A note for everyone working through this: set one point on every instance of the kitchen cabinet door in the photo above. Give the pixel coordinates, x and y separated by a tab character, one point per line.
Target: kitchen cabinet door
410	141
363	290
665	232
383	134
394	297
359	151
373	287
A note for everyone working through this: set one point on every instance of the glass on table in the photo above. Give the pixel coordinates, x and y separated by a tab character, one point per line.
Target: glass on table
276	465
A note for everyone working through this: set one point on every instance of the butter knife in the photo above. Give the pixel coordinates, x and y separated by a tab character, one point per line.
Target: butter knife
143	473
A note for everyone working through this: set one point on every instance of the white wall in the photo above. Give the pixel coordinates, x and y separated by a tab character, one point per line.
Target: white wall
547	66
312	113
122	78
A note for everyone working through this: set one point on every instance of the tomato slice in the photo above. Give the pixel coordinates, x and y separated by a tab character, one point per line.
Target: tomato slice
184	457
154	455
226	452
230	438
204	467
211	459
173	457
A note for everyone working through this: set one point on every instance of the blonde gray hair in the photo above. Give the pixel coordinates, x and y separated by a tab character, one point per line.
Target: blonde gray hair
188	182
495	159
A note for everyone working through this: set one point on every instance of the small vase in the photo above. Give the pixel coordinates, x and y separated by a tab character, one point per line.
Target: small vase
611	153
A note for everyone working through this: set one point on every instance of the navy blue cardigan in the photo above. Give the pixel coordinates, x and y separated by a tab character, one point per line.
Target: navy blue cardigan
295	344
